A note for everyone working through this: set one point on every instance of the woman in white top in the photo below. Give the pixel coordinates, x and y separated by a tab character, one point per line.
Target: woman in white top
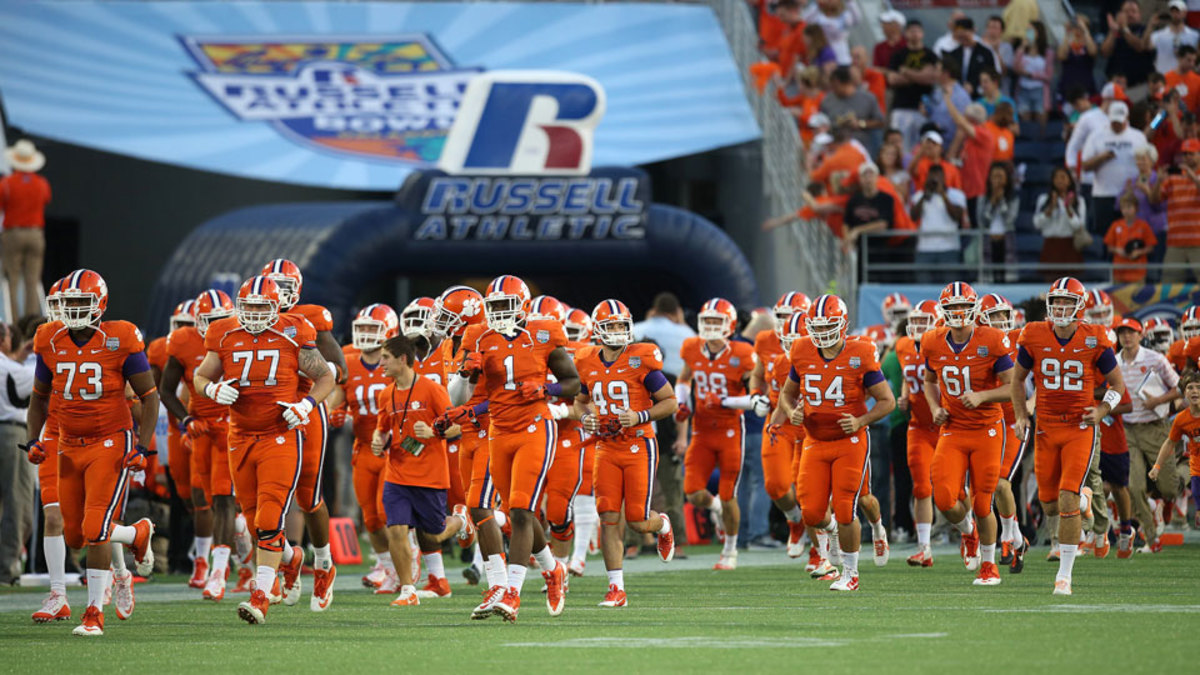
836	18
1034	62
1059	215
997	215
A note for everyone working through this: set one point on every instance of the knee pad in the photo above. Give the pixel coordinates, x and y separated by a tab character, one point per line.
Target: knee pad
563	532
944	499
982	505
272	540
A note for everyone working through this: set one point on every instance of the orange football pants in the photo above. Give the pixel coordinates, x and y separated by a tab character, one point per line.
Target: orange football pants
625	472
457	493
179	462
47	471
779	458
588	486
266	470
833	470
473	465
316	435
92	485
1014	451
368	472
210	461
1062	454
977	451
519	462
564	479
921	443
715	446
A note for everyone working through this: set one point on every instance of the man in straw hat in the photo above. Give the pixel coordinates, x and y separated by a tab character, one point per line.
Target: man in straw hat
23	198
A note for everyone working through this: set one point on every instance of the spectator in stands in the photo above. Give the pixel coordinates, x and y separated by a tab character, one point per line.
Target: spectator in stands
1077	54
1182	194
1034	64
1183	78
789	45
997	216
665	325
1125	47
847	105
1140	188
803	100
23	198
973	145
938	211
836	18
817	52
993	37
1060	215
932	155
1017	16
869	78
868	210
893	38
972	56
1167	40
891	166
17	475
989	92
948	42
911	75
1109	153
1090	119
1002	126
818	205
948	87
1165	131
1129	240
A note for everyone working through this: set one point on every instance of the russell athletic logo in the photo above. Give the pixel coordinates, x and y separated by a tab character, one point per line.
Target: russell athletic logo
386	97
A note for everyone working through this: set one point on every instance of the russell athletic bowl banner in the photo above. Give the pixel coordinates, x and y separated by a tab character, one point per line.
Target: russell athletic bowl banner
359	95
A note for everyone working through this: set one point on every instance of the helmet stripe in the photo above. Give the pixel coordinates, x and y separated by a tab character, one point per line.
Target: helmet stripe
821	305
75	278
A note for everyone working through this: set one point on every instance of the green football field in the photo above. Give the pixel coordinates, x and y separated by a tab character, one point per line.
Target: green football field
1137	615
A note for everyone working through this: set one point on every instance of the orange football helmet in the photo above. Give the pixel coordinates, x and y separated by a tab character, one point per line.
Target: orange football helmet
183	315
287	277
1189	325
416	319
210	306
1071	296
54	301
1098	308
1018	318
546	308
457	308
957	302
1158	334
826	321
257	305
504	304
612	323
716	320
896	308
83	298
374	325
788	305
922	318
881	335
793	330
578	326
996	311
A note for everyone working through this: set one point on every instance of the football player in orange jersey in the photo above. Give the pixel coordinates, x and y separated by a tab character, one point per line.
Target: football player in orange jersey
207	426
309	498
922	433
264	354
623	391
996	311
837	376
718	370
84	364
896	309
510	361
1189	337
778	449
1159	334
578	327
971	366
373	325
1064	355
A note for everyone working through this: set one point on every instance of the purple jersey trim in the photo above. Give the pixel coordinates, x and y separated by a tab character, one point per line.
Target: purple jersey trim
654	381
42	372
1002	364
1107	361
1024	358
135	363
873	378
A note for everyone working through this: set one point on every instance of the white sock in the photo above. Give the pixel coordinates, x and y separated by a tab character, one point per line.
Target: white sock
118	556
323	560
97	580
792	514
666	526
220	559
433	563
516	577
966	525
56	562
501	518
497	573
203	546
123	534
730	544
877	530
477	560
923	534
266	578
1052	528
1066	560
385	559
1009	528
987	553
545	559
823	544
562	559
617	578
239	524
587	519
850	563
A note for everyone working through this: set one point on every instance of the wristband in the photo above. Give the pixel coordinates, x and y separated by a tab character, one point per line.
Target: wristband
311	400
643	416
554	389
1112	398
146	393
1158	466
147	452
183	424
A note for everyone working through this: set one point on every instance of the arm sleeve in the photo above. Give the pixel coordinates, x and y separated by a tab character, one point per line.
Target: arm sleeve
41	372
654	381
1002	364
1106	361
135	363
794	376
872	378
1024	358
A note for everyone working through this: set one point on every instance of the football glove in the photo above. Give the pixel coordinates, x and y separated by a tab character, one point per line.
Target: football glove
193	426
472	365
35	451
222	392
463	414
712	401
760	404
531	391
682	413
337	416
135	458
296	414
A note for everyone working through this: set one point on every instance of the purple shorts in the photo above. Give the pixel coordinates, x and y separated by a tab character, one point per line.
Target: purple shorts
420	507
1114	469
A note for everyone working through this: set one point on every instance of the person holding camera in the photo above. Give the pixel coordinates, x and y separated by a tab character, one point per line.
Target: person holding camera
1059	215
938	211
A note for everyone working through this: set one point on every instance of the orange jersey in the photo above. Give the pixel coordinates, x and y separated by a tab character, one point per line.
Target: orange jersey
1064	374
156	353
768	350
479	393
507	363
972	366
321	320
912	364
625	384
1186	428
1191	351
831	388
724	374
779	370
1006	405
423	463
1176	355
87	381
187	347
50	428
436	365
265	368
363	385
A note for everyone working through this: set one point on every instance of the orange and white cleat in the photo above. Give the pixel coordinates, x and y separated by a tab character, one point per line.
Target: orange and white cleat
245	576
615	597
1052	555
390	584
969	549
716	514
883	552
1062	587
276	595
1125	545
215	588
254	610
556	592
466	535
491	597
989	575
825	571
922	558
1101	547
374	576
726	562
122	583
54	608
199	573
845	583
1006	552
409	596
795	536
436	587
143	553
509	605
665	542
575	567
93	623
814	559
322	595
291	577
